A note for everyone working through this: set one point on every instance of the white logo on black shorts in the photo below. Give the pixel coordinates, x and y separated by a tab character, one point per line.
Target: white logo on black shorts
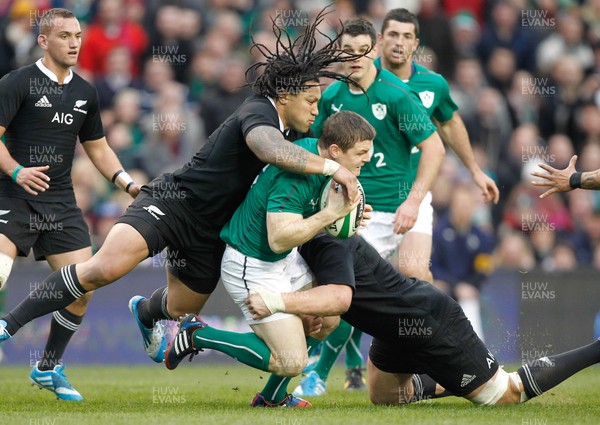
4	212
154	211
467	379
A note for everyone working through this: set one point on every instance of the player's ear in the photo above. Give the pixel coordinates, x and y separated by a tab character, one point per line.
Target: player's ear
42	41
334	151
284	99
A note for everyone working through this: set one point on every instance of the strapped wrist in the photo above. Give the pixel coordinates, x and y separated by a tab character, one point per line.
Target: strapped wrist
330	167
575	180
15	172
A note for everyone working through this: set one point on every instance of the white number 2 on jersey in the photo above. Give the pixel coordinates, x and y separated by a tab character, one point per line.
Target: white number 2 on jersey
380	159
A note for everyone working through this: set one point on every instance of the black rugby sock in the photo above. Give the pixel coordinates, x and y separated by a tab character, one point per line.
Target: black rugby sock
547	372
64	325
424	388
153	309
57	291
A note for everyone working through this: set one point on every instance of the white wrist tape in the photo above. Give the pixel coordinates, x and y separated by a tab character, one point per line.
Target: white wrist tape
124	181
330	167
273	300
6	263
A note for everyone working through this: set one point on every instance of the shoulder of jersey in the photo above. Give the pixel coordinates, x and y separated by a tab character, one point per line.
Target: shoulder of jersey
333	89
20	73
392	84
431	74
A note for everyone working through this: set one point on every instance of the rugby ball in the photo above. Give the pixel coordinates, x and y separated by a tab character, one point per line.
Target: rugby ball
346	226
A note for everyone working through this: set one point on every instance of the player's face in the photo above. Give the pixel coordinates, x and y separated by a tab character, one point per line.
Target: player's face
358	45
398	42
301	108
355	157
63	41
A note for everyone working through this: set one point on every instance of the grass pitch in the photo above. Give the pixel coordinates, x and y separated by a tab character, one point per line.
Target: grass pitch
220	394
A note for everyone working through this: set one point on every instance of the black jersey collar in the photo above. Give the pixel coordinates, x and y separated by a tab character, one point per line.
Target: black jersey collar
51	74
281	127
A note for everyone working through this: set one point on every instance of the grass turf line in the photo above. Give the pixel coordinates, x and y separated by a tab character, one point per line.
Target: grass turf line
220	394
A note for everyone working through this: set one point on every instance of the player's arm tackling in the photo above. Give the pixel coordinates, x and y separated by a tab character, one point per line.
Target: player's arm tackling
269	145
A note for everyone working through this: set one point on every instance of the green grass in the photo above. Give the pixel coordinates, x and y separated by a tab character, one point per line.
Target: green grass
219	394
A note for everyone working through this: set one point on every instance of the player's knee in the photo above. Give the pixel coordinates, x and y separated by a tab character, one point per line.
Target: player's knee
329	325
289	363
383	399
96	274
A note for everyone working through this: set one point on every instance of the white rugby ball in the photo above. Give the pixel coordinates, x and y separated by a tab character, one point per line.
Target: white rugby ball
346	226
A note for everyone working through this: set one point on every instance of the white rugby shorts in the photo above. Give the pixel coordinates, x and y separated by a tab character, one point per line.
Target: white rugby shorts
241	274
379	231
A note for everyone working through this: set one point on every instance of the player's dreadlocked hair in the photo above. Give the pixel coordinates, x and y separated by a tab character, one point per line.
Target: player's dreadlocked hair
294	63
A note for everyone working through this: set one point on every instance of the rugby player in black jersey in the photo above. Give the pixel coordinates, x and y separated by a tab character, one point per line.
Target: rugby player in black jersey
423	345
44	108
416	329
186	210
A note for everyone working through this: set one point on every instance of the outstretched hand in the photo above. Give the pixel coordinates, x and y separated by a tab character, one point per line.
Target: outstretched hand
557	180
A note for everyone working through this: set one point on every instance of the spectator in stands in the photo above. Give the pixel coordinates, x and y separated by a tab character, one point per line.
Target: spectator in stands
468	82
111	29
500	69
559	107
505	31
461	254
524	99
466	34
118	76
513	252
435	32
174	132
568	40
227	95
167	43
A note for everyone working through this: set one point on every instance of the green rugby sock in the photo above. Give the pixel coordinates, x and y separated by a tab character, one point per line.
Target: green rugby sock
354	358
275	389
246	348
332	347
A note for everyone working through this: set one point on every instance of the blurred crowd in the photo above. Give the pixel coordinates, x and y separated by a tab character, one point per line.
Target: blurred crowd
525	75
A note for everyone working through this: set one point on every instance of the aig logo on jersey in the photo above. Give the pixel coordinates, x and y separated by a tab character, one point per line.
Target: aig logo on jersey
427	98
379	110
62	118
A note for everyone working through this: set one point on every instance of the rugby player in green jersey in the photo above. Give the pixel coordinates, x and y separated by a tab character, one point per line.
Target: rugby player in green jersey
280	212
392	189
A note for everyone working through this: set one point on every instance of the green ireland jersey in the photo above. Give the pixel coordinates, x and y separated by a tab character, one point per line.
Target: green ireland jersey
434	92
274	190
401	124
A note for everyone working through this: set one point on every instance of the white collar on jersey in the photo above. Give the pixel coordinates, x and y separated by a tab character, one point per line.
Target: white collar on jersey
51	74
281	127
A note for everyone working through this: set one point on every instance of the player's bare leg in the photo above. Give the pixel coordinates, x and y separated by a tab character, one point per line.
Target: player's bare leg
414	255
123	249
388	388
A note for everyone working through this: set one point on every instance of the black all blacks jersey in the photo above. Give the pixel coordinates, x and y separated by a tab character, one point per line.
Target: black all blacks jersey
219	175
43	120
385	303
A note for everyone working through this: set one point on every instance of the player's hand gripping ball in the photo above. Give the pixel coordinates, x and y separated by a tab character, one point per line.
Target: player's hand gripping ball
346	226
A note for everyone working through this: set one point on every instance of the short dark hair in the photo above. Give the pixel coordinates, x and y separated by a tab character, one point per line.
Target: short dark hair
47	19
360	26
296	64
345	129
400	15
